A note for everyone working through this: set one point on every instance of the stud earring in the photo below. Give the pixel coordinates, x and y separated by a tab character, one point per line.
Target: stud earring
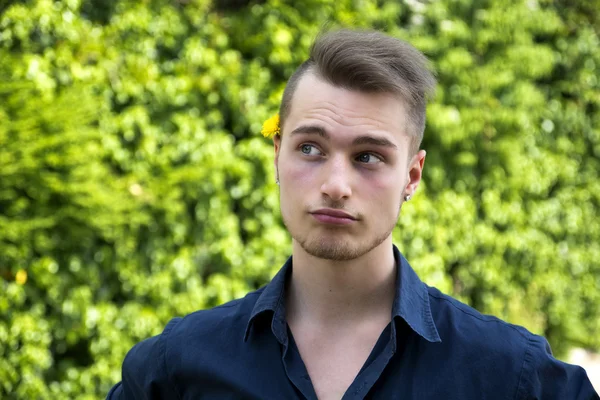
277	181
407	197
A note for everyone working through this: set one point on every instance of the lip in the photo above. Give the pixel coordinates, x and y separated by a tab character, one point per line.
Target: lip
331	216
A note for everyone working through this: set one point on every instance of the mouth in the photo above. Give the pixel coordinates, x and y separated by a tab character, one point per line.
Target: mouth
333	217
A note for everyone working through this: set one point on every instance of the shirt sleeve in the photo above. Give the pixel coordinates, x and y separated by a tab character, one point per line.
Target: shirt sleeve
545	377
144	374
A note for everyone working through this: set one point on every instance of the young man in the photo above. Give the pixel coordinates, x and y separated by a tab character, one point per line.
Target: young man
347	317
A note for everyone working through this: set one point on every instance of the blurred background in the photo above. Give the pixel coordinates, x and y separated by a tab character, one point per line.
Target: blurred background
135	186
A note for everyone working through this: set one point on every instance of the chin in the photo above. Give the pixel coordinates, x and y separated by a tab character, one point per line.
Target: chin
331	251
328	248
335	243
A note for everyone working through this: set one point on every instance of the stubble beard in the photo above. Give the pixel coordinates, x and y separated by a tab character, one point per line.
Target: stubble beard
326	246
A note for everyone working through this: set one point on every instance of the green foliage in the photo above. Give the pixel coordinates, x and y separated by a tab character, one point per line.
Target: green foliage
134	185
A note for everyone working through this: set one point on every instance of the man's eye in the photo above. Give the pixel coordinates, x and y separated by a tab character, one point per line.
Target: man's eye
368	158
309	150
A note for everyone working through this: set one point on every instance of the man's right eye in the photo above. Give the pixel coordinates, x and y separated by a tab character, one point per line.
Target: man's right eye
309	150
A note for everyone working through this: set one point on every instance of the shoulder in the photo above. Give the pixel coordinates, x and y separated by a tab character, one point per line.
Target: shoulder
225	323
144	372
454	317
482	346
151	366
492	348
545	377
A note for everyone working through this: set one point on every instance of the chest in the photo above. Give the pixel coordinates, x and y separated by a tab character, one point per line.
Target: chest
334	359
262	369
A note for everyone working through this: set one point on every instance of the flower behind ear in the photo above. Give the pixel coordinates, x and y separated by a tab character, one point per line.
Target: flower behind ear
271	127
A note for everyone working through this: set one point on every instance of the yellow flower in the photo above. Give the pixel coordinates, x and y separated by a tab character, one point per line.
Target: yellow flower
21	277
270	127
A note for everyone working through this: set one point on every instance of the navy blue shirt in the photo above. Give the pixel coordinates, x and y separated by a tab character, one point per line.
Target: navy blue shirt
434	347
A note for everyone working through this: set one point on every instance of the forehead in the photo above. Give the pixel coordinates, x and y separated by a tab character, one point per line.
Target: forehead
317	101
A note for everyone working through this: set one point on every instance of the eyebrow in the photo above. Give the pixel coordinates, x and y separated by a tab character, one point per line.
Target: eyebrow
365	139
375	141
311	129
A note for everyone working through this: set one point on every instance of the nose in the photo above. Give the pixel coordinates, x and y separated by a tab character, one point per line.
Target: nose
337	179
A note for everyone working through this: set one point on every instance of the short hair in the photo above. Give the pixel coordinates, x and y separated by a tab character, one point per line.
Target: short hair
370	62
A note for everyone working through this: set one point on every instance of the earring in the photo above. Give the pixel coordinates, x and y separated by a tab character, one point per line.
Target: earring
407	197
277	181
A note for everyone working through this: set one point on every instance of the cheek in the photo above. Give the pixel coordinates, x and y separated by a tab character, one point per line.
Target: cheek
296	181
384	190
297	174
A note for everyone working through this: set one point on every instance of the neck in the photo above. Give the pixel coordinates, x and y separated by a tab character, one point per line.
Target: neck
326	291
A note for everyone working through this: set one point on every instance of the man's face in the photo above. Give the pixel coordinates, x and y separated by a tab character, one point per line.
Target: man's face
343	167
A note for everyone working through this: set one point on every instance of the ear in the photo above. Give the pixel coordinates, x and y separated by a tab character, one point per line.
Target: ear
276	148
415	172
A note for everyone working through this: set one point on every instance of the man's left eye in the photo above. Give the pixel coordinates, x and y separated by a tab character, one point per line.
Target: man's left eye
368	158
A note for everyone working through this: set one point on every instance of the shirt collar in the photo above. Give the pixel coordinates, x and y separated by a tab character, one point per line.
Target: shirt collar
272	299
411	302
